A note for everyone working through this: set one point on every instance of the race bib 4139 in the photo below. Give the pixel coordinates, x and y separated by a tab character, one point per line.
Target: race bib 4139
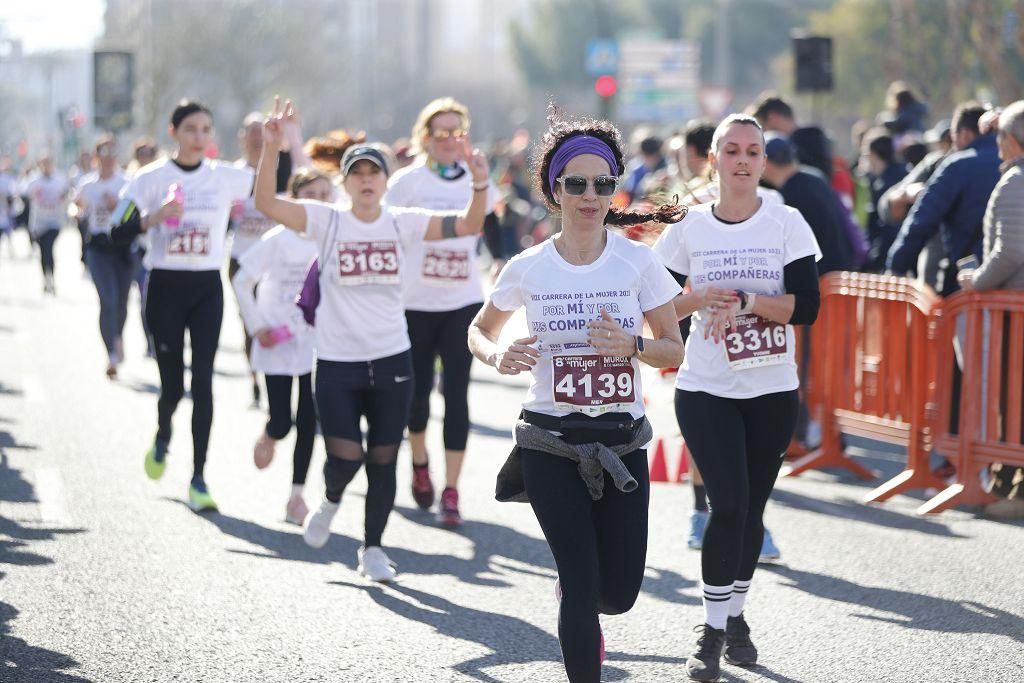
592	384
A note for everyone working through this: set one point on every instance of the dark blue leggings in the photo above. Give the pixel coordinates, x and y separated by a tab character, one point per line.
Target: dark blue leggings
111	270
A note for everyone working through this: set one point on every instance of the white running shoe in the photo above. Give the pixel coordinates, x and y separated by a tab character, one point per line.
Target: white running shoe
318	524
375	565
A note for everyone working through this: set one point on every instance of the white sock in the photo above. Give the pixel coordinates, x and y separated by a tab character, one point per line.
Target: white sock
739	597
716	605
297	489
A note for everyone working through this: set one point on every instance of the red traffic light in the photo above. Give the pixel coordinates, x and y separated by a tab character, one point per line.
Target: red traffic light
605	86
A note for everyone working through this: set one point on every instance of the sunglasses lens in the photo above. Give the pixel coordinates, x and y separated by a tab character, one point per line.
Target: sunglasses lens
574	185
604	187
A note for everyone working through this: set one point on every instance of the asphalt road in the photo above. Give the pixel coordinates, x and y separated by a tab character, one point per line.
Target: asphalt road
107	576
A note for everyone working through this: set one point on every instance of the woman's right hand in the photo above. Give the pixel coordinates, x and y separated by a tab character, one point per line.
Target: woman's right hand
265	337
169	209
714	298
518	357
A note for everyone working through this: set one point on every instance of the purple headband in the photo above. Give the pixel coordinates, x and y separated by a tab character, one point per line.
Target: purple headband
575	146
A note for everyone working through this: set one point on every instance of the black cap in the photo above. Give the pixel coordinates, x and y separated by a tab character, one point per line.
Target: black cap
779	149
359	152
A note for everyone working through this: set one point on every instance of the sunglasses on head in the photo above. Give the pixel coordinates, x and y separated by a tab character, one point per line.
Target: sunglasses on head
576	185
442	134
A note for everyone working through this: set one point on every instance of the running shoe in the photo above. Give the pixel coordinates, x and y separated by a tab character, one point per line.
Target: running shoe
156	459
739	649
698	522
111	371
318	524
199	498
448	510
422	487
263	451
769	551
296	510
558	599
375	565
705	663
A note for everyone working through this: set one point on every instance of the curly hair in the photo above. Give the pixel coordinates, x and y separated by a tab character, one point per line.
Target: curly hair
326	151
560	129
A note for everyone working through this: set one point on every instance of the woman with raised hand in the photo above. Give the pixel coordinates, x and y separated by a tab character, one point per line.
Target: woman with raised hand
275	269
363	367
442	292
580	453
183	202
751	269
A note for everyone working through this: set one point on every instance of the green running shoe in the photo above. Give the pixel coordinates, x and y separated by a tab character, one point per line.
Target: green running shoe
156	460
199	499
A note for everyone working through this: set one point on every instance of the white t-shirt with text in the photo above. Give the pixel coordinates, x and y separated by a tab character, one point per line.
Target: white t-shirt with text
100	195
248	223
278	263
47	202
757	357
441	276
361	316
198	241
560	299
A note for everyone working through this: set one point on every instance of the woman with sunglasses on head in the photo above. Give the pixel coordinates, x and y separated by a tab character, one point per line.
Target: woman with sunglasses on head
580	454
275	268
111	266
363	368
182	203
442	292
751	269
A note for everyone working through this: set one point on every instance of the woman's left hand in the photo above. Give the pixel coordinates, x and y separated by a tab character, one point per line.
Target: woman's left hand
477	162
609	339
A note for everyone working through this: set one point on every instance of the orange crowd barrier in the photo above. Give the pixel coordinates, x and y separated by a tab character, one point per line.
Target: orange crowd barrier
871	374
991	408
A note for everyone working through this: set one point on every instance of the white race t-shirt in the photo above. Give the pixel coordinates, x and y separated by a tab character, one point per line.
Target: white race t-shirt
100	196
757	357
560	300
278	262
361	316
47	202
198	241
441	276
249	224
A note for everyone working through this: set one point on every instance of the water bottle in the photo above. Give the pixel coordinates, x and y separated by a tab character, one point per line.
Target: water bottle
176	194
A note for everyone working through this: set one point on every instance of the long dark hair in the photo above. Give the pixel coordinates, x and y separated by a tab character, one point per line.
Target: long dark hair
561	129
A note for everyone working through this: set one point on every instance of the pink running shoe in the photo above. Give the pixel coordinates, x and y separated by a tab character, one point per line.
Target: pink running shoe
422	487
448	510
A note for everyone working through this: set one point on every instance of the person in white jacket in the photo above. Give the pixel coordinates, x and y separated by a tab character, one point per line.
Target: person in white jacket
275	267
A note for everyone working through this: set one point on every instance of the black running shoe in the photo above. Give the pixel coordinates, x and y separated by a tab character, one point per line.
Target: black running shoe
739	649
705	663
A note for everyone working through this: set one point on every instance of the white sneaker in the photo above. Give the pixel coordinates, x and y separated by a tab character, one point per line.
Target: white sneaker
318	524
375	565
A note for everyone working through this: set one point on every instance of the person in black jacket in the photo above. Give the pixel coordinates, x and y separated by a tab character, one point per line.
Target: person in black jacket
884	171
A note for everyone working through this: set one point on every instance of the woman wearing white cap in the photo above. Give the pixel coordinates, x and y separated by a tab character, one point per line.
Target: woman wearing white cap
364	368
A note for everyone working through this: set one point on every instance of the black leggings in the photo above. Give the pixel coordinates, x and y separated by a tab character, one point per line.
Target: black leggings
176	300
46	241
600	549
279	398
442	333
738	446
379	390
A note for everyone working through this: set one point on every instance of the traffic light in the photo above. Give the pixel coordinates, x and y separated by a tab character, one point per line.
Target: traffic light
606	86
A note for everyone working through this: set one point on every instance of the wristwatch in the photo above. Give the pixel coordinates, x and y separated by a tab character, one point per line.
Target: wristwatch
743	298
639	345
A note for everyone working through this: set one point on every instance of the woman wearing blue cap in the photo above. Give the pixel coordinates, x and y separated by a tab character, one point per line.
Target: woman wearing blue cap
579	457
364	368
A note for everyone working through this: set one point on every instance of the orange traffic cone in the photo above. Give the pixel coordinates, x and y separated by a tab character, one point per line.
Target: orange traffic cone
683	473
659	468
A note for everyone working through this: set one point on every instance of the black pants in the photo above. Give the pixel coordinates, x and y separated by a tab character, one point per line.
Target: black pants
738	446
46	241
600	549
442	333
279	398
178	300
346	392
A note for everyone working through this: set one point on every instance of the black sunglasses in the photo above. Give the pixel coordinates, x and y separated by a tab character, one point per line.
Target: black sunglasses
576	185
